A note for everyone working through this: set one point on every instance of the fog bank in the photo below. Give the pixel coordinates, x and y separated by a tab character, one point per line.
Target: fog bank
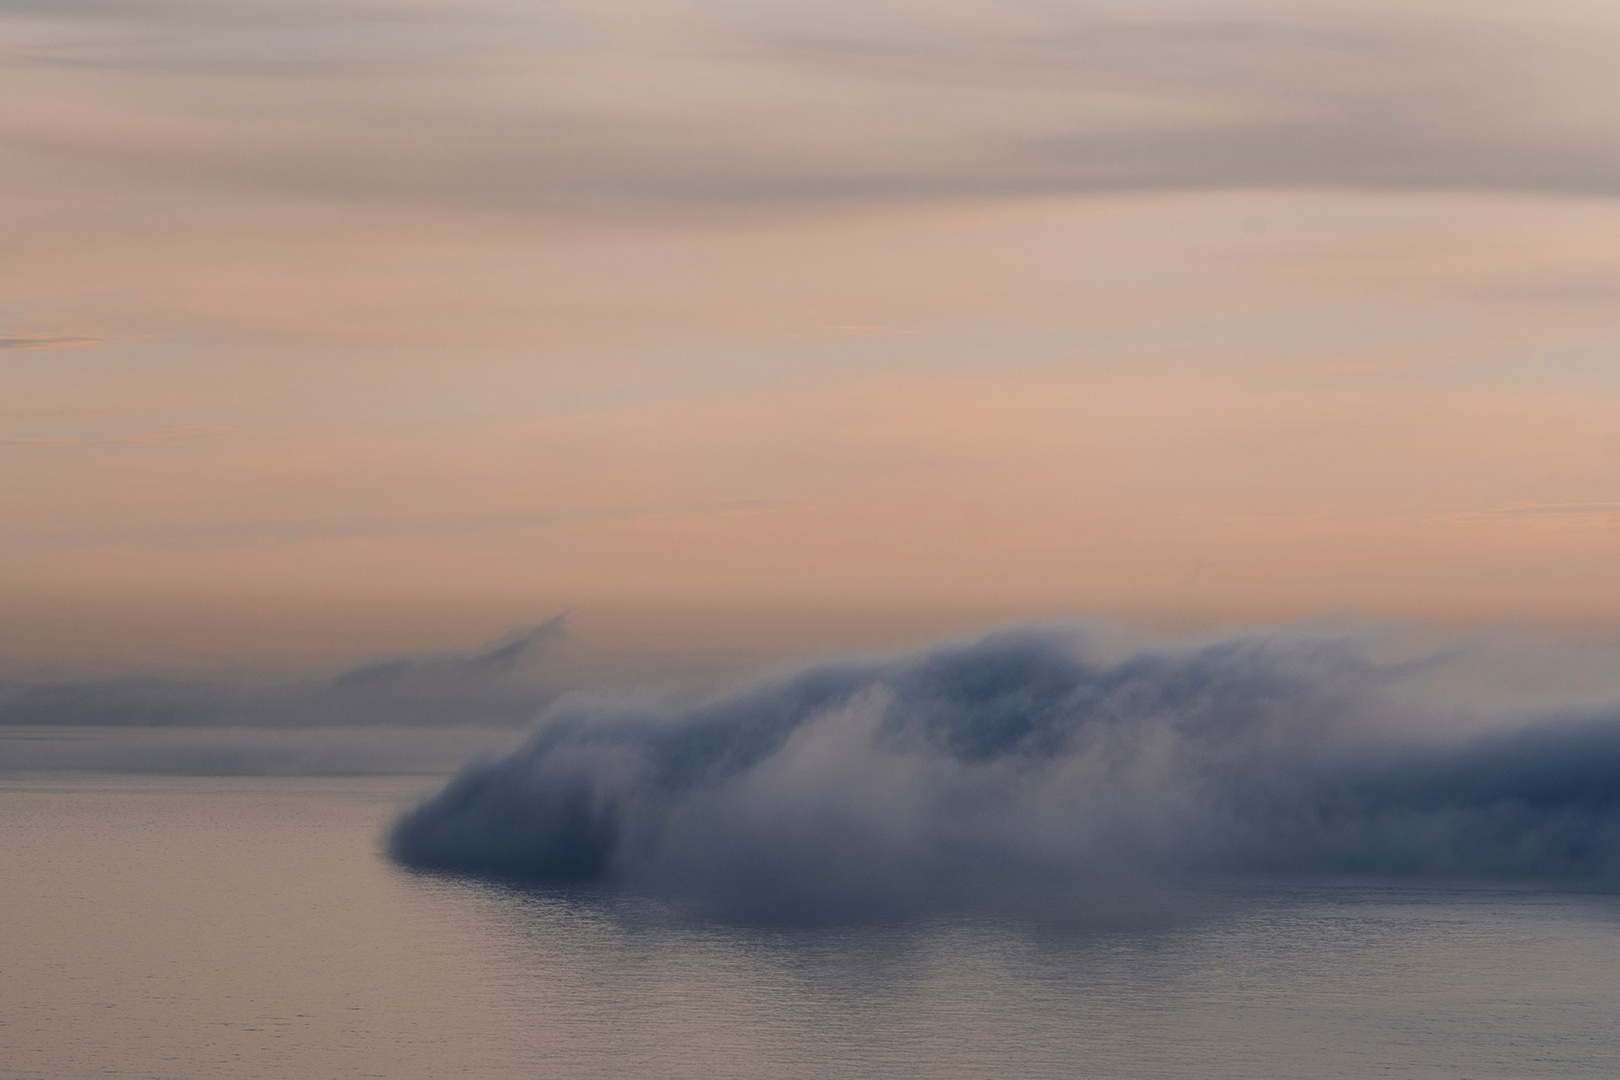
1044	762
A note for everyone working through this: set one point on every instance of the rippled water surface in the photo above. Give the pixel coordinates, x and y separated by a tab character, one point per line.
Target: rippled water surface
249	928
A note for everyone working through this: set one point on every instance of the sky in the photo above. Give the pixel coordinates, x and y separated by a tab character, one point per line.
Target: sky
336	327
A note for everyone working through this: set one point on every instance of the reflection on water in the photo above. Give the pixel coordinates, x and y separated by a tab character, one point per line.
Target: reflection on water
249	928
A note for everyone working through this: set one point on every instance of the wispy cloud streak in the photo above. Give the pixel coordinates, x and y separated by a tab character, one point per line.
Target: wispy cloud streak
13	343
658	106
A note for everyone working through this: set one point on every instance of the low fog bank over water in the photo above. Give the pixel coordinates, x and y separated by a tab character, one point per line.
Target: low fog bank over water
421	713
1052	761
504	683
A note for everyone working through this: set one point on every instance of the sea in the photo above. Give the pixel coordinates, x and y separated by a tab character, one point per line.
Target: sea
251	927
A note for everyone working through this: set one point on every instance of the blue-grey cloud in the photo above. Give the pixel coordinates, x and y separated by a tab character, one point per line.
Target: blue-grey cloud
415	714
1036	763
505	683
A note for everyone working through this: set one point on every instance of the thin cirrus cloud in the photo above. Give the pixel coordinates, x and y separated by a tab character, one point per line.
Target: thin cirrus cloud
1199	309
260	530
45	342
174	436
600	108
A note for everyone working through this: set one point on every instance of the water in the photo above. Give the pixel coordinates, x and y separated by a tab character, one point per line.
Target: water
248	927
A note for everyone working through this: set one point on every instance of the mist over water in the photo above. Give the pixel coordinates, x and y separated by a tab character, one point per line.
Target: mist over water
248	928
1043	765
505	682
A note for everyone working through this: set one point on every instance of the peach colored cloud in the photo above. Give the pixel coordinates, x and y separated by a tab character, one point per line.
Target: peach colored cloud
1242	311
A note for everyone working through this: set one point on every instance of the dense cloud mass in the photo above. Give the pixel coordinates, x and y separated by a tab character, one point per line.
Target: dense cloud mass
1035	763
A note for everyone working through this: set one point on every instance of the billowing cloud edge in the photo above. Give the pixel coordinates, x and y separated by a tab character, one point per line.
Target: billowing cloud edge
1040	763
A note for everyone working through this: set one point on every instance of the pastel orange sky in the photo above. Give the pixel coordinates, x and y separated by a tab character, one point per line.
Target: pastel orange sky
340	326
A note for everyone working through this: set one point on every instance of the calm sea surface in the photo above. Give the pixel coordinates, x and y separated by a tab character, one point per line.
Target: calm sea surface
160	927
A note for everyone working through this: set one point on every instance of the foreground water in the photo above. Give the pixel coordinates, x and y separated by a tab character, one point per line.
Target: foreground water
248	927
